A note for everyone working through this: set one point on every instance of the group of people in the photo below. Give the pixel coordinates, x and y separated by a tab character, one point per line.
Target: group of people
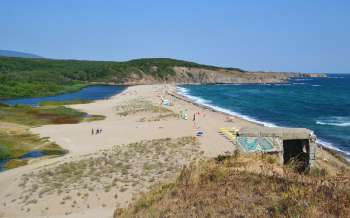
98	131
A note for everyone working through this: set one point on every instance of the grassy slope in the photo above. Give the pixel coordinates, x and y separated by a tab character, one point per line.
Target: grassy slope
246	187
20	77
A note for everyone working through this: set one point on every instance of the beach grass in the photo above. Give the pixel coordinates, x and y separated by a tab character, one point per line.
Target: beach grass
241	185
140	105
113	171
159	117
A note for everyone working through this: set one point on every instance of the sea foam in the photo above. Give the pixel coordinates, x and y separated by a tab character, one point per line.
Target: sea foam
334	121
185	92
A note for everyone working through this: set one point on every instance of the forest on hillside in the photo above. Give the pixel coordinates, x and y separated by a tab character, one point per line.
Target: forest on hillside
21	77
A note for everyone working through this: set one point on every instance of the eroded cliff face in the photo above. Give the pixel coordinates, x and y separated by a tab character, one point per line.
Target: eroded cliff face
187	75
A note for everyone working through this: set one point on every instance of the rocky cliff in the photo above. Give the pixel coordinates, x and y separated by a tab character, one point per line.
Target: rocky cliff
32	77
184	75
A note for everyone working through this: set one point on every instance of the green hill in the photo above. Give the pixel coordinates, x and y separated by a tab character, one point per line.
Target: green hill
21	77
28	77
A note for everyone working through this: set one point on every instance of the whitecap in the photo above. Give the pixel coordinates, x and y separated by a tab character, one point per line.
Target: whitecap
334	121
335	77
185	92
282	84
302	79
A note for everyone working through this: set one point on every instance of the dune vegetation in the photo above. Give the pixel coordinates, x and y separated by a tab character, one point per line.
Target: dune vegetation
108	173
139	105
62	103
37	116
246	186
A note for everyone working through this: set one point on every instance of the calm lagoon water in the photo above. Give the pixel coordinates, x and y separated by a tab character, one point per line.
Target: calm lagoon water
320	104
89	93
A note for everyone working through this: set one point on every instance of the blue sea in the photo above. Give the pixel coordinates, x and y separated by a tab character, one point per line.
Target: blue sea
320	104
95	92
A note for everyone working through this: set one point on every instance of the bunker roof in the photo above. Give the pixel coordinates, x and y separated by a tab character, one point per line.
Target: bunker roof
283	133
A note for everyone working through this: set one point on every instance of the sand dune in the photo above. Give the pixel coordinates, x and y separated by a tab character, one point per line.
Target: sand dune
118	130
141	144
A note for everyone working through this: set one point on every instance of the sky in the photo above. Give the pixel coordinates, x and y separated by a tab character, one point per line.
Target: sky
269	35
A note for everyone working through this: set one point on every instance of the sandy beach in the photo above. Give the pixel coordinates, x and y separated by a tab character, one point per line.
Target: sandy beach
141	144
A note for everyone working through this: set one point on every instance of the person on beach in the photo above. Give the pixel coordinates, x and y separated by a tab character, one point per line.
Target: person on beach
97	131
92	131
194	117
100	130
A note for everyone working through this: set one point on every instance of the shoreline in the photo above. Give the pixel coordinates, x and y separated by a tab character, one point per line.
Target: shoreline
127	84
180	94
130	172
72	185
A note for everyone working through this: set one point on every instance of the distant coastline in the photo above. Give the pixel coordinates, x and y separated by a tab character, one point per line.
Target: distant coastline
33	77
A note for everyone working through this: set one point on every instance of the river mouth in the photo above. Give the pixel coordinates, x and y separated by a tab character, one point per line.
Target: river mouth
85	95
89	93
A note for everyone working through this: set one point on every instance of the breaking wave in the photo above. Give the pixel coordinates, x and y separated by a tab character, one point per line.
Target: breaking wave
185	92
334	121
339	121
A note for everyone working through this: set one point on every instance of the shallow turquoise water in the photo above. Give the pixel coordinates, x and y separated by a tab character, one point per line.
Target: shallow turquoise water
320	104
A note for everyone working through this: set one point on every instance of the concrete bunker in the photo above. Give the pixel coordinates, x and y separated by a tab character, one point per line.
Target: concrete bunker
292	144
295	149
